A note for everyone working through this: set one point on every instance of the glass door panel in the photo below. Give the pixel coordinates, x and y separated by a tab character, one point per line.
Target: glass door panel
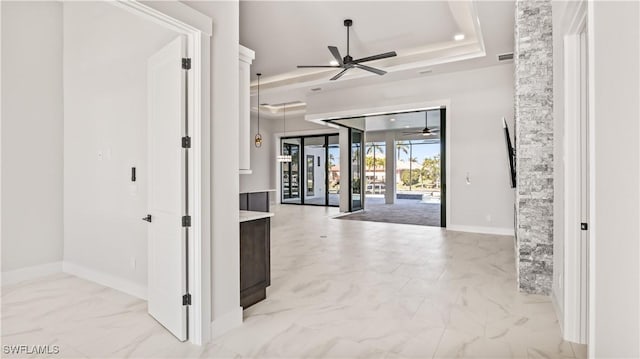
315	170
357	197
290	171
333	170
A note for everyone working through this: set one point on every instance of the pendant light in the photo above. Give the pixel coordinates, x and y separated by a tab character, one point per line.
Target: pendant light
257	140
283	157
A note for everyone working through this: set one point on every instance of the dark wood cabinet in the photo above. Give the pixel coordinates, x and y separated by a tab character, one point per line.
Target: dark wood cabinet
255	260
256	201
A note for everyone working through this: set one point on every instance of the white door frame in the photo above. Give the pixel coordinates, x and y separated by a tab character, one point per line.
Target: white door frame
197	28
575	303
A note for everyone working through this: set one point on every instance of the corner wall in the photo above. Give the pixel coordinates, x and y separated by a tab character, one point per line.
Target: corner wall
32	137
226	312
534	144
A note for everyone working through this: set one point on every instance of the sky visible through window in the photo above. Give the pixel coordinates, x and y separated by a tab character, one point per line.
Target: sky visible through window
421	151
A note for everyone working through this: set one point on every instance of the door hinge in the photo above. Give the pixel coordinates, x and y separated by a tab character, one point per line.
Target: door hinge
186	299
186	63
186	221
584	226
186	142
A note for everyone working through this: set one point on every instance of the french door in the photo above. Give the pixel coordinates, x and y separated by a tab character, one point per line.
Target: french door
313	175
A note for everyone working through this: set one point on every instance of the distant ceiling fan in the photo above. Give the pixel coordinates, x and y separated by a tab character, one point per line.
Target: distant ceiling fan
426	131
348	62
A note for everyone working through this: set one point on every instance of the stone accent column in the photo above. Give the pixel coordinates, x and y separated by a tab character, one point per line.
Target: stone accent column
534	144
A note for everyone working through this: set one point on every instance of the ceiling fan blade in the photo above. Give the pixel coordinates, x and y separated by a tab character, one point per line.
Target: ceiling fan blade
370	69
376	57
336	54
339	75
317	66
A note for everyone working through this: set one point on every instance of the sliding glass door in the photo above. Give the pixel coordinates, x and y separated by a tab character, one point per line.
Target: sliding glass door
313	175
290	171
333	170
315	170
356	164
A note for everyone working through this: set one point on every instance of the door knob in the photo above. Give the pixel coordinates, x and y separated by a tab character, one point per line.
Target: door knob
147	218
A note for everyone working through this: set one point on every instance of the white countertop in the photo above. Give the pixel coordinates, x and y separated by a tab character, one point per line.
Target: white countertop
259	190
246	216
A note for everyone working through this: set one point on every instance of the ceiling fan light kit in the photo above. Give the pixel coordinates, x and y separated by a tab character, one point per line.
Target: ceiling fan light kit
347	62
426	131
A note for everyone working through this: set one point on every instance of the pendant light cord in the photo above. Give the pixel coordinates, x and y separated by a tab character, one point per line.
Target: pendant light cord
259	74
284	119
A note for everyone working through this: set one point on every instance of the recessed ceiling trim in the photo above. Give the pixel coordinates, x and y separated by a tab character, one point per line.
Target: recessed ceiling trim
465	15
319	77
321	118
292	107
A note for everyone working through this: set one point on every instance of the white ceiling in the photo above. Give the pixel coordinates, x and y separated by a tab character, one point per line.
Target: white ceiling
408	121
285	34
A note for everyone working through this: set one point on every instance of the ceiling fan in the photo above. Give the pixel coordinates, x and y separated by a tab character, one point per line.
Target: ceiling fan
426	131
348	62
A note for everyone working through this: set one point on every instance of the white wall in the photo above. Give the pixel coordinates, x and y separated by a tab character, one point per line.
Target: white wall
262	159
225	246
105	128
32	136
614	30
478	99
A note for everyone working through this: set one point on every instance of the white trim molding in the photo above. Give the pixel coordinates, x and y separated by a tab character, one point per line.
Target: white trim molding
28	273
482	230
573	311
105	279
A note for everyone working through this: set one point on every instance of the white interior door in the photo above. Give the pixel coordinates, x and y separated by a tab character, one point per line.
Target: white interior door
167	247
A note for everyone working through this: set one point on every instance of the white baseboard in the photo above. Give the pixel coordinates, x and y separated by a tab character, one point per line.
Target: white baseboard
22	274
226	322
105	279
557	309
483	230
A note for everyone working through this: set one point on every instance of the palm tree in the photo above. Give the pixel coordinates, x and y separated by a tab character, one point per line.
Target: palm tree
411	161
431	169
374	147
372	162
402	146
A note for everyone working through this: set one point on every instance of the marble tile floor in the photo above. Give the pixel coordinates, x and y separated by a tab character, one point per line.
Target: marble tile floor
340	289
